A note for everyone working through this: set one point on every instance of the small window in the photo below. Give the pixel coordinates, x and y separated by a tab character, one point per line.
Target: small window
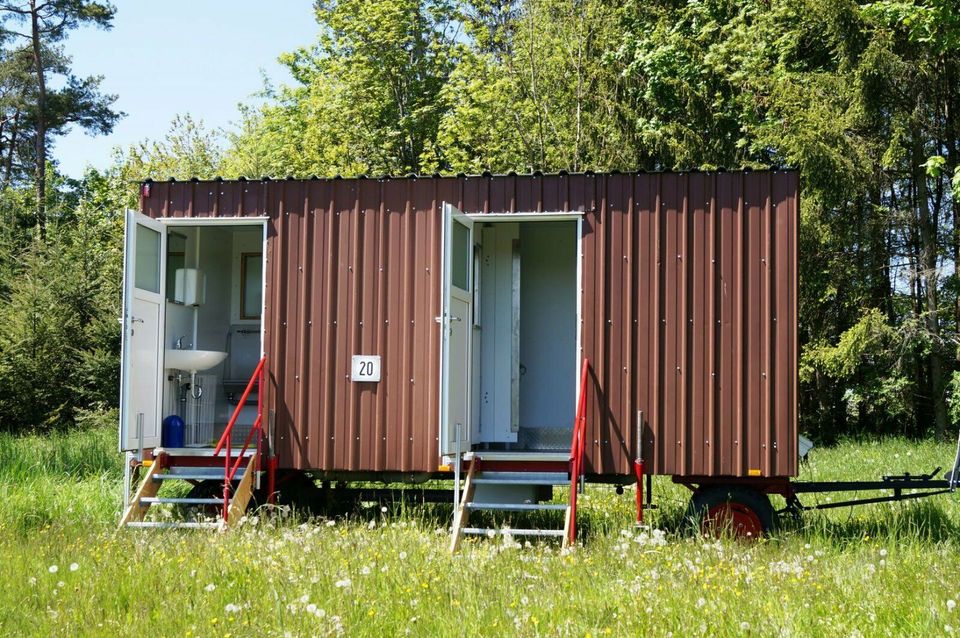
462	257
251	285
147	260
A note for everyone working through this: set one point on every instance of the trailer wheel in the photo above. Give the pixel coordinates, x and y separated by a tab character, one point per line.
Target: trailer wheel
742	512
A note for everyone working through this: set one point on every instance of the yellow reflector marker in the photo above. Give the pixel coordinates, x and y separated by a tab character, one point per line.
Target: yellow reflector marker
753	472
444	468
147	463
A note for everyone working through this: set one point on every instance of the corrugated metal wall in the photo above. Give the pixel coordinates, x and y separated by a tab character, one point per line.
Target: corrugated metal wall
689	311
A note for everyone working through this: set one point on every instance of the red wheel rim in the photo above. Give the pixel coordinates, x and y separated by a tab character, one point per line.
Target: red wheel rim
733	518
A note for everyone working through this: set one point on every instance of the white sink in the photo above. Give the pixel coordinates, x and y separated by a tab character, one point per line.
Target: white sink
192	360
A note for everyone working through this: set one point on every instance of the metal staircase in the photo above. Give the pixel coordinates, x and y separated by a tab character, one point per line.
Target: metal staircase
513	482
234	474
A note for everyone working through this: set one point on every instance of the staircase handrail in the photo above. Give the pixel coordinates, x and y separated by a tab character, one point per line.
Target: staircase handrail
577	446
230	472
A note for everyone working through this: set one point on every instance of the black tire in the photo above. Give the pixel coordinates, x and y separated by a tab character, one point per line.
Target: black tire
744	501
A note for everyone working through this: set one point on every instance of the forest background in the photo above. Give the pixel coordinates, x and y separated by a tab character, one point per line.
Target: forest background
862	98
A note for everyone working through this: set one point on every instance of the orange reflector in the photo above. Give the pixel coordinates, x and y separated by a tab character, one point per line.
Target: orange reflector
753	472
444	468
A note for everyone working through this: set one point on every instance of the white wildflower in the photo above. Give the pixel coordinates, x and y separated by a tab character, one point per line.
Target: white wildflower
403	556
331	523
365	570
744	626
53	569
305	599
210	587
951	604
74	567
231	608
883	552
346	582
371	524
701	602
311	608
383	509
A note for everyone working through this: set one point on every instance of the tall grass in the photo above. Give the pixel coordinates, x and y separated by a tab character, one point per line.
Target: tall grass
878	570
70	479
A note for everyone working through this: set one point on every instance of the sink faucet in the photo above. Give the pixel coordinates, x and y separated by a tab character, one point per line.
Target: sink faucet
180	342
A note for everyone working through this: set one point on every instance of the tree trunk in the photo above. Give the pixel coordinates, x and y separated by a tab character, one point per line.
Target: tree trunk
8	163
41	142
928	262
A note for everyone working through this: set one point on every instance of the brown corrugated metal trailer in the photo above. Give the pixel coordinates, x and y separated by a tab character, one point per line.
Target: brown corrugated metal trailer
688	289
509	332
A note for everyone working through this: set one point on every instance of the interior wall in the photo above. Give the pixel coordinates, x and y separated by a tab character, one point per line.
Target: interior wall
548	323
213	319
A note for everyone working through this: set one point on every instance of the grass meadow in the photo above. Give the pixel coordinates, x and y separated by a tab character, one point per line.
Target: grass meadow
879	570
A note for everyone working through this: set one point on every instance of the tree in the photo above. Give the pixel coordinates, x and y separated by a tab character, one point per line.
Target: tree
46	23
365	99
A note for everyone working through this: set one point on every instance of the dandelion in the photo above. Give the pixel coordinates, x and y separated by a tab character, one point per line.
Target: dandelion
383	509
403	556
231	608
744	626
365	571
305	599
74	567
311	608
951	605
60	583
210	587
883	553
701	602
53	569
346	582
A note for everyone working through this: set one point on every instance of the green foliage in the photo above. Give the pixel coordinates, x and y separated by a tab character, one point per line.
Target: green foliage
187	150
59	350
366	94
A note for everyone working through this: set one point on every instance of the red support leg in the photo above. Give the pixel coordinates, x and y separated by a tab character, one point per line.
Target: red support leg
639	470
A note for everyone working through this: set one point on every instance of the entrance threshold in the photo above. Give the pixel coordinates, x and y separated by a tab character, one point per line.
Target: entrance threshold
490	455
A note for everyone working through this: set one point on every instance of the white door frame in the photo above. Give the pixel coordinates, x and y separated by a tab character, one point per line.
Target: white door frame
558	216
236	221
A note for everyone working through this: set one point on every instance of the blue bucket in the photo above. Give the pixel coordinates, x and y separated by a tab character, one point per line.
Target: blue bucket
171	431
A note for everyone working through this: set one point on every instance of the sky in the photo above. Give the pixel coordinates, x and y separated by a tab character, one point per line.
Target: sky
161	59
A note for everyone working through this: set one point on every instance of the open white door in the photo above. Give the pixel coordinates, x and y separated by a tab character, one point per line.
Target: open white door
141	371
456	322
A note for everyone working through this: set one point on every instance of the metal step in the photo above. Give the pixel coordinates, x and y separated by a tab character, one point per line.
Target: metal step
517	507
522	478
195	474
483	531
202	452
181	501
174	524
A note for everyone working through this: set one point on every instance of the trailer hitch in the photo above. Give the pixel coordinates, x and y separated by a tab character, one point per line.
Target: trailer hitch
908	478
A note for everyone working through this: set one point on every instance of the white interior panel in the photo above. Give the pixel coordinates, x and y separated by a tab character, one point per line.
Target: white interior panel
548	324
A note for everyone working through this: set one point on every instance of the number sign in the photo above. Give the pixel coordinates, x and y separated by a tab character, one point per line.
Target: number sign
366	367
